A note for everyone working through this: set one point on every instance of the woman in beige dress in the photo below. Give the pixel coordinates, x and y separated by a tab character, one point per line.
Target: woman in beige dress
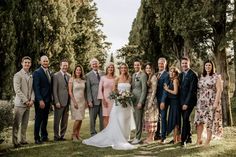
150	111
78	100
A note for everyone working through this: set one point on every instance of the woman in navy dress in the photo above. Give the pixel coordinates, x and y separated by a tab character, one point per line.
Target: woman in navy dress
172	89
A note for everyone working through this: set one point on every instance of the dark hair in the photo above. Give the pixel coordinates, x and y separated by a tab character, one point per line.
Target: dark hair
149	76
64	60
26	57
137	60
185	58
204	73
82	71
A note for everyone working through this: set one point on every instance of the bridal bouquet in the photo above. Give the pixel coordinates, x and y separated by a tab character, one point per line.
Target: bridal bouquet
123	98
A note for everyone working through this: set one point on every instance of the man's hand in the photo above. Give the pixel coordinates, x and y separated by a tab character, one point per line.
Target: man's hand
162	106
90	104
58	105
76	106
139	106
184	107
31	103
41	104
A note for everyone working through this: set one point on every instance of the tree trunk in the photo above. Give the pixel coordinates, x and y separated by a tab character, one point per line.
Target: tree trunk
234	65
222	69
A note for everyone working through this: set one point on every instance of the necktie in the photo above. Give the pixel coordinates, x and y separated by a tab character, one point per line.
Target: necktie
98	76
184	74
65	78
48	75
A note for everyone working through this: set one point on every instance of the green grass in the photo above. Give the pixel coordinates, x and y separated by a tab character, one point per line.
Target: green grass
224	147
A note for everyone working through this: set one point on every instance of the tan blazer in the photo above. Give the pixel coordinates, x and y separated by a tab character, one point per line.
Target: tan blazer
23	88
60	89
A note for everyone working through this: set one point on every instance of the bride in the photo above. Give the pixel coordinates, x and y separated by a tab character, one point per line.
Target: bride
121	120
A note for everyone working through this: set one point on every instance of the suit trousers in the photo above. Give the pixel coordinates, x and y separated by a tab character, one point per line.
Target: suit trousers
186	128
41	121
138	117
61	116
21	118
162	122
95	111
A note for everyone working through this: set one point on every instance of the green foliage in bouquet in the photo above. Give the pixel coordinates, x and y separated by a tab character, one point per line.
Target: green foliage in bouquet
123	98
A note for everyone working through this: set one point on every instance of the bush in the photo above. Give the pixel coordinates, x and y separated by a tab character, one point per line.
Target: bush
6	117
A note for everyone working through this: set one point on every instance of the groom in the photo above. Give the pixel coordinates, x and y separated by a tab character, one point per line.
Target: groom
139	89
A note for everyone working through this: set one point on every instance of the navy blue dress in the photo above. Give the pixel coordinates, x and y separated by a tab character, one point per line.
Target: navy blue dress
174	110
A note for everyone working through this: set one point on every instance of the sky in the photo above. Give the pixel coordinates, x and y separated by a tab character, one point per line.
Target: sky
117	17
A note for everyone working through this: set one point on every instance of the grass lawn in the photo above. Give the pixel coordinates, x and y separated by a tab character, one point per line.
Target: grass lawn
224	147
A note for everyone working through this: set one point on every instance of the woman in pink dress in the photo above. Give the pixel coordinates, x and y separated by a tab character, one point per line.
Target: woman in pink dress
105	88
208	111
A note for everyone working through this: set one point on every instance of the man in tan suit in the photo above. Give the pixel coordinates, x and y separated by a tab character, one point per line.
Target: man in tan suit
61	100
24	99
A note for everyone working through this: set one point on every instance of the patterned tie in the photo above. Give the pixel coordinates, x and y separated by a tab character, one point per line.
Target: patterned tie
98	76
65	78
48	75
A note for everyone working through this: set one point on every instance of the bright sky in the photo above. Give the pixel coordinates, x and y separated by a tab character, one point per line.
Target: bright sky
117	17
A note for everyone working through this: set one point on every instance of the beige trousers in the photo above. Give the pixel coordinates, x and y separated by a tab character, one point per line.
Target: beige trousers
21	118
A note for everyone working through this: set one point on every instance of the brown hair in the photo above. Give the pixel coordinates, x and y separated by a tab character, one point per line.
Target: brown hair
204	73
152	73
176	71
82	71
64	60
185	58
26	57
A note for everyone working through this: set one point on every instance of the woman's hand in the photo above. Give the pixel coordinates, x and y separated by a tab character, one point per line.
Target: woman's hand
165	87
105	103
76	106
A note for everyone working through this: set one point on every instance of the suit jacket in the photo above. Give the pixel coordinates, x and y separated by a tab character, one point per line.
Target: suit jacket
161	93
139	88
92	86
23	88
41	86
188	88
60	89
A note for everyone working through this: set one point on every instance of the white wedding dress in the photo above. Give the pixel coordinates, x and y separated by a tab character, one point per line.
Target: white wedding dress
117	132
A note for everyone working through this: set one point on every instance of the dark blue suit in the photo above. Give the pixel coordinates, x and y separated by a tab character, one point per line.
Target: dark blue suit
42	90
188	96
161	97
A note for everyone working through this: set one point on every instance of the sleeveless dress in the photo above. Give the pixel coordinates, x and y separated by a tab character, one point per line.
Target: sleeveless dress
174	110
117	132
78	89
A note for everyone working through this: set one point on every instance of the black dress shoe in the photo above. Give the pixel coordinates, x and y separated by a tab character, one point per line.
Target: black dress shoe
38	142
45	139
171	142
24	143
62	139
183	144
157	138
17	145
189	140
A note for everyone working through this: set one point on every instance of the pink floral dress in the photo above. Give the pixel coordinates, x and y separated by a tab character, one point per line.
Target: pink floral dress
205	113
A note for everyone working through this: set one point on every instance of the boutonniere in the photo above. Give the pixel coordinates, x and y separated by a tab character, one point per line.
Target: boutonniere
31	76
137	78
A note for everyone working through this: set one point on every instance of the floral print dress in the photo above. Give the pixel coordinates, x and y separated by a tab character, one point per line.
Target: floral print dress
205	113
